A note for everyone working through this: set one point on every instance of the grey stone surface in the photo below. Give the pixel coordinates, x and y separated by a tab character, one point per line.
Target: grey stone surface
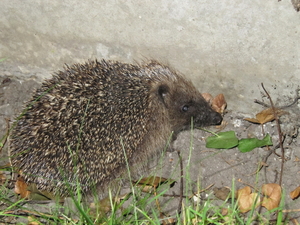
222	46
227	47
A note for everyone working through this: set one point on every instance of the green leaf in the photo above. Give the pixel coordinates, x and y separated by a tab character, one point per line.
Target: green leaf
248	144
223	140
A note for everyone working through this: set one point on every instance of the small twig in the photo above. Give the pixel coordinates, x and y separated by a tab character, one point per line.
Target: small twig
264	161
279	133
184	196
261	103
181	183
290	210
174	196
261	165
281	107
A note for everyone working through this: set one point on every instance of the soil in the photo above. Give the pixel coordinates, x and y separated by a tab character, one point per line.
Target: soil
202	166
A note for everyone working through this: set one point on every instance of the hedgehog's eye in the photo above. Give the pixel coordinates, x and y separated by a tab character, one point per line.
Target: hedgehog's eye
185	108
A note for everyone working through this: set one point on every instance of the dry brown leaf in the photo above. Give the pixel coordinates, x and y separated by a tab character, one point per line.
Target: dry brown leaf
219	103
2	178
295	193
221	193
272	194
265	116
21	188
297	159
32	220
36	194
148	183
166	219
224	211
246	199
294	221
147	188
208	97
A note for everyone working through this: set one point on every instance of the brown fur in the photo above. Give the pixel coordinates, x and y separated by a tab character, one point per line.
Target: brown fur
87	114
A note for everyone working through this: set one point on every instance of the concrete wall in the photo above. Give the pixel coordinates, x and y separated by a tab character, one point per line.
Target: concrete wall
227	46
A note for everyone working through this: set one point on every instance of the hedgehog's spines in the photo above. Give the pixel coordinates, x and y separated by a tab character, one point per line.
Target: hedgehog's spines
74	132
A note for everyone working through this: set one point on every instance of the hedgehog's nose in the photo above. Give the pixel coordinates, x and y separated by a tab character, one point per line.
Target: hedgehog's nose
216	118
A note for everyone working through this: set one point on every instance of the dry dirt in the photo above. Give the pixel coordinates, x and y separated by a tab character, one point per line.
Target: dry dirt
203	166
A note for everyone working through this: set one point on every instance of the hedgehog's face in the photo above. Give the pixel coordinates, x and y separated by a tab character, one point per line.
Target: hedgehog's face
185	105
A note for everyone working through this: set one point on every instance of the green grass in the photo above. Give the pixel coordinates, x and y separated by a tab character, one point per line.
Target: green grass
137	212
140	208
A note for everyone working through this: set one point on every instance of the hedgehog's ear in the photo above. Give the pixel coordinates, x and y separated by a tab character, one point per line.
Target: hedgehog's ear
163	92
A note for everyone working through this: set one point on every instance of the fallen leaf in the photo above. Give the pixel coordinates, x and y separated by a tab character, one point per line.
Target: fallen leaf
2	178
265	116
272	194
30	191
297	159
227	216
248	144
221	193
223	140
295	193
32	220
21	187
224	211
246	199
219	103
36	194
166	219
152	182
208	97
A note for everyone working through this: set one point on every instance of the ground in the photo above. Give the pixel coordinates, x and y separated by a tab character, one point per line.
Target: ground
202	166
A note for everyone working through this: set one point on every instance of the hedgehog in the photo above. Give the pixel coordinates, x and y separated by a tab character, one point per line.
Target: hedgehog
90	120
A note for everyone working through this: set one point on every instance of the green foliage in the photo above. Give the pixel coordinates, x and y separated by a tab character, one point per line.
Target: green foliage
248	144
228	139
225	140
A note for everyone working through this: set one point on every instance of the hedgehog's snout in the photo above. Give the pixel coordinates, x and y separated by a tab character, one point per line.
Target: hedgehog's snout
208	117
215	118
